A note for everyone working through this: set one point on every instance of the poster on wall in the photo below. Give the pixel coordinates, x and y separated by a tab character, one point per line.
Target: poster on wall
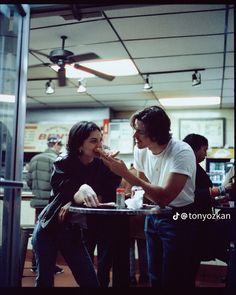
212	129
36	134
121	137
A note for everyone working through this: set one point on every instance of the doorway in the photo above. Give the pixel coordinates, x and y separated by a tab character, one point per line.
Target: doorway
14	32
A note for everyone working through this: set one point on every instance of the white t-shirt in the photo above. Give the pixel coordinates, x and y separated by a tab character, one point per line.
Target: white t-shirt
177	157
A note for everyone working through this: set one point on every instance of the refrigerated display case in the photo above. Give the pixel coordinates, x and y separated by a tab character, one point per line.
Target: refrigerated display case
217	163
216	169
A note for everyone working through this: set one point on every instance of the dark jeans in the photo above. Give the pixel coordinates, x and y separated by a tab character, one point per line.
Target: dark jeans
170	248
69	241
37	212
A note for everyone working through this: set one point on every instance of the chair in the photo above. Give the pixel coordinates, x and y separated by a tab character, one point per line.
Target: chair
26	233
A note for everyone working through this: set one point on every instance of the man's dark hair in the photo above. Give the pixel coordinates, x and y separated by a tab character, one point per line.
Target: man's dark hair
79	132
196	141
157	123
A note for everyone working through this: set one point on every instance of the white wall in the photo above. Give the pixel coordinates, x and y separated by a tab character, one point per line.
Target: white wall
228	114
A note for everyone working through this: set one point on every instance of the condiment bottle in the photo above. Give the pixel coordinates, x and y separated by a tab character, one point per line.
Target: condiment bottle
120	198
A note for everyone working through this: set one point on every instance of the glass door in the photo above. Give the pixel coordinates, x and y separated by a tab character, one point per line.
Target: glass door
14	32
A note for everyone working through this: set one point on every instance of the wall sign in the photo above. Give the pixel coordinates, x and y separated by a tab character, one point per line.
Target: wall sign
36	134
212	129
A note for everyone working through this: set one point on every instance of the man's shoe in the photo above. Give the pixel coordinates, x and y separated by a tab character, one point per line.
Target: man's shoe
58	270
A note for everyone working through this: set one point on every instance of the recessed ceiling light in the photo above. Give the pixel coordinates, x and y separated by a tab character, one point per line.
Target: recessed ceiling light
189	101
122	67
7	98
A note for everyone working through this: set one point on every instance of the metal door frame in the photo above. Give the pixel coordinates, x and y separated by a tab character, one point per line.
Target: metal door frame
12	187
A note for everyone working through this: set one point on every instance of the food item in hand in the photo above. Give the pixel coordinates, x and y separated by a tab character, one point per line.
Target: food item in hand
101	152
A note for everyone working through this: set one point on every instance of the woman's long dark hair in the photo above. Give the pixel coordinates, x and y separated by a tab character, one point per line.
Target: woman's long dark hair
79	132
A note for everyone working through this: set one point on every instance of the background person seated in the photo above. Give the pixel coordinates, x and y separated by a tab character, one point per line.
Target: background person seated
213	239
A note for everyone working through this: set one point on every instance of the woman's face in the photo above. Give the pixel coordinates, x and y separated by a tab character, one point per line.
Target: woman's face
201	153
93	141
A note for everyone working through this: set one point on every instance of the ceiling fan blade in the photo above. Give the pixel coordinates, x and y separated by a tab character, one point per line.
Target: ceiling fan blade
94	72
38	52
62	76
82	57
45	64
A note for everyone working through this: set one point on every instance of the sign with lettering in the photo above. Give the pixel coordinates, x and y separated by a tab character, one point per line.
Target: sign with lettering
36	134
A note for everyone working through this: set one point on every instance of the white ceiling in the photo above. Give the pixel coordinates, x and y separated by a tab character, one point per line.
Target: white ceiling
158	38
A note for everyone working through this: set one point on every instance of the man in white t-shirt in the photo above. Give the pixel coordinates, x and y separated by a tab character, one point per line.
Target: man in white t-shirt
166	171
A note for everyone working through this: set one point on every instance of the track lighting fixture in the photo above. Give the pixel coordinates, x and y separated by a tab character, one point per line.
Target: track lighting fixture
196	78
81	86
147	86
49	87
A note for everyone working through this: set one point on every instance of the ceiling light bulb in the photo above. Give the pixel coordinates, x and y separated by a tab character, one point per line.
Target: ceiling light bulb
147	86
81	87
49	87
196	78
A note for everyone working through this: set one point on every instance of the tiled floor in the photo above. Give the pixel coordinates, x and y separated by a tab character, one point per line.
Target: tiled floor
208	276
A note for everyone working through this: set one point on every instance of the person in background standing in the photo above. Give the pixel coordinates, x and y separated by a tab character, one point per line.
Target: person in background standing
38	180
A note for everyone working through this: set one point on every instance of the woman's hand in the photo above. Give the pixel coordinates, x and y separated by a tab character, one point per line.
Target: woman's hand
63	212
87	196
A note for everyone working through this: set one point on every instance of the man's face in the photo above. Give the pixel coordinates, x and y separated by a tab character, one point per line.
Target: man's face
201	153
140	136
58	147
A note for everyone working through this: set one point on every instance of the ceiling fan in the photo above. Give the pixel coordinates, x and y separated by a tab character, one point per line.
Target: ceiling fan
62	57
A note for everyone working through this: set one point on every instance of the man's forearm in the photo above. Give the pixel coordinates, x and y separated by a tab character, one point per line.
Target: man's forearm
153	193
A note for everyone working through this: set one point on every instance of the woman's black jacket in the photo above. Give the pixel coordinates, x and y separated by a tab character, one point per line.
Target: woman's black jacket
69	173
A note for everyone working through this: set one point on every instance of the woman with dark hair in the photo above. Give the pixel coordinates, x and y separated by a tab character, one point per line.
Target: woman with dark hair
79	177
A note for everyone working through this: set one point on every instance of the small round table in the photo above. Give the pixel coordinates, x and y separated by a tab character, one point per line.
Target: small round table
120	219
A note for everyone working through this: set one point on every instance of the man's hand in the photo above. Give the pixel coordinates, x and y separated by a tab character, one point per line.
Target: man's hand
115	165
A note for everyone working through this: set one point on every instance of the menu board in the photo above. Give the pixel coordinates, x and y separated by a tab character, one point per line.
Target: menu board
121	137
212	129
